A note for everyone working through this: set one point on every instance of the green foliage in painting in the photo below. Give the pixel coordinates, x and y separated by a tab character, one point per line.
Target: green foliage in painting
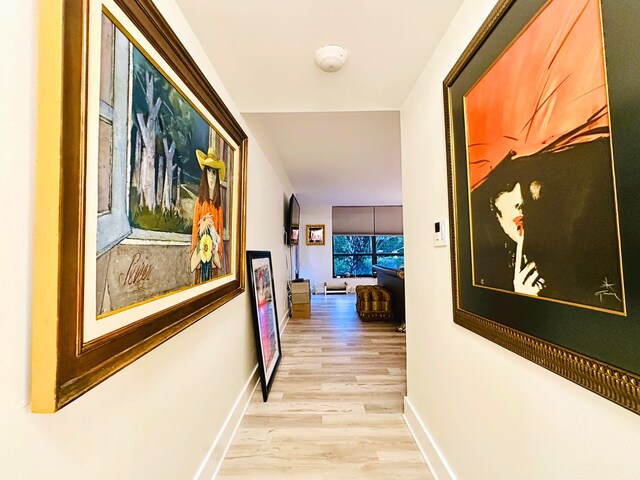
159	221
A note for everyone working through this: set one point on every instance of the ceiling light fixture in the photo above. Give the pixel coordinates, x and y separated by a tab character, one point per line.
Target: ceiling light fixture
331	58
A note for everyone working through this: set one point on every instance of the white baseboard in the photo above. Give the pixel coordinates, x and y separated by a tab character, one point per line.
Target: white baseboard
432	455
285	322
212	462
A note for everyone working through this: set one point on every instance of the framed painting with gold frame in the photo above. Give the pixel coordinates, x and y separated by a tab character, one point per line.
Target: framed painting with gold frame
315	234
147	196
540	127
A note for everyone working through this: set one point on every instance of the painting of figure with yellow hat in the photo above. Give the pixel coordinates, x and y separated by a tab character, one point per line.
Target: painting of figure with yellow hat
206	242
165	183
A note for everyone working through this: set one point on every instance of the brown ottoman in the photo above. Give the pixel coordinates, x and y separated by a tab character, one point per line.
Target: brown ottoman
373	302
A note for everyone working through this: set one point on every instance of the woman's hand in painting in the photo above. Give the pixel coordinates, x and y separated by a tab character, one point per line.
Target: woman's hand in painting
526	279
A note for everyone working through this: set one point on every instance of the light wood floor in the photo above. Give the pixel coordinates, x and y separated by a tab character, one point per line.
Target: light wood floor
334	411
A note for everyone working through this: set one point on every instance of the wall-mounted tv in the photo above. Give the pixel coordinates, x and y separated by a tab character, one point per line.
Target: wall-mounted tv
293	221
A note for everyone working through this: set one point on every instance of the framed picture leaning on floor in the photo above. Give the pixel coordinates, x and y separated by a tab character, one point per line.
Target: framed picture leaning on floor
265	317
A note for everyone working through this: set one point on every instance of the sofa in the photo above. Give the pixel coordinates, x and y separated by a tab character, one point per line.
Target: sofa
393	281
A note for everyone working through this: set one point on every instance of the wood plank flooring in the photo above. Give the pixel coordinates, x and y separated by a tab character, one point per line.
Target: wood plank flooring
334	411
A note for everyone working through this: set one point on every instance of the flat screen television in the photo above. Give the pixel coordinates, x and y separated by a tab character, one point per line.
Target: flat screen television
293	221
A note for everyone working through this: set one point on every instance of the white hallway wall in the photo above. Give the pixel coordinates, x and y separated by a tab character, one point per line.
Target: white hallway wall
493	414
158	417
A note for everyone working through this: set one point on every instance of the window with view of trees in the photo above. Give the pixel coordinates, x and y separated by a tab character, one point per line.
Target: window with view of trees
354	255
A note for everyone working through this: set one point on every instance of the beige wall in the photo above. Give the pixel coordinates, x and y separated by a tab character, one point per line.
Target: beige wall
158	417
492	414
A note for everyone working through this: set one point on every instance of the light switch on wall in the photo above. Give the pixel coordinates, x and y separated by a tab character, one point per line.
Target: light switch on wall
440	235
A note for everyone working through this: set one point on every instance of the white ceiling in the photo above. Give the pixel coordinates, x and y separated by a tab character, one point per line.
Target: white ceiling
350	156
263	51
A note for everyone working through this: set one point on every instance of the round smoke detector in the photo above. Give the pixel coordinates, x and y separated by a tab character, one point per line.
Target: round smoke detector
331	58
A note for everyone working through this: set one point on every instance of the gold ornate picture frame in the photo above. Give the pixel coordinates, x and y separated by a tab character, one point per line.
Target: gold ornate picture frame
541	176
144	189
315	235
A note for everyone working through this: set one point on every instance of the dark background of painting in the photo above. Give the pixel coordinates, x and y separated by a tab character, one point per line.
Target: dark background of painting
607	337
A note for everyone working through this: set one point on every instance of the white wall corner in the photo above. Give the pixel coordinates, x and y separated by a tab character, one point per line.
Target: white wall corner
432	455
218	450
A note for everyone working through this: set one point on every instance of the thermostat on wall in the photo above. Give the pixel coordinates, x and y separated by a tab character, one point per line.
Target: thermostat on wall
440	233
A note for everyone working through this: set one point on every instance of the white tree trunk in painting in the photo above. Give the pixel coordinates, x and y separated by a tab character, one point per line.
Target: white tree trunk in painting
135	179
168	175
178	188
147	128
160	178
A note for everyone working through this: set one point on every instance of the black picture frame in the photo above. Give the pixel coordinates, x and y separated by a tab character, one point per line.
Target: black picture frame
265	317
595	348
